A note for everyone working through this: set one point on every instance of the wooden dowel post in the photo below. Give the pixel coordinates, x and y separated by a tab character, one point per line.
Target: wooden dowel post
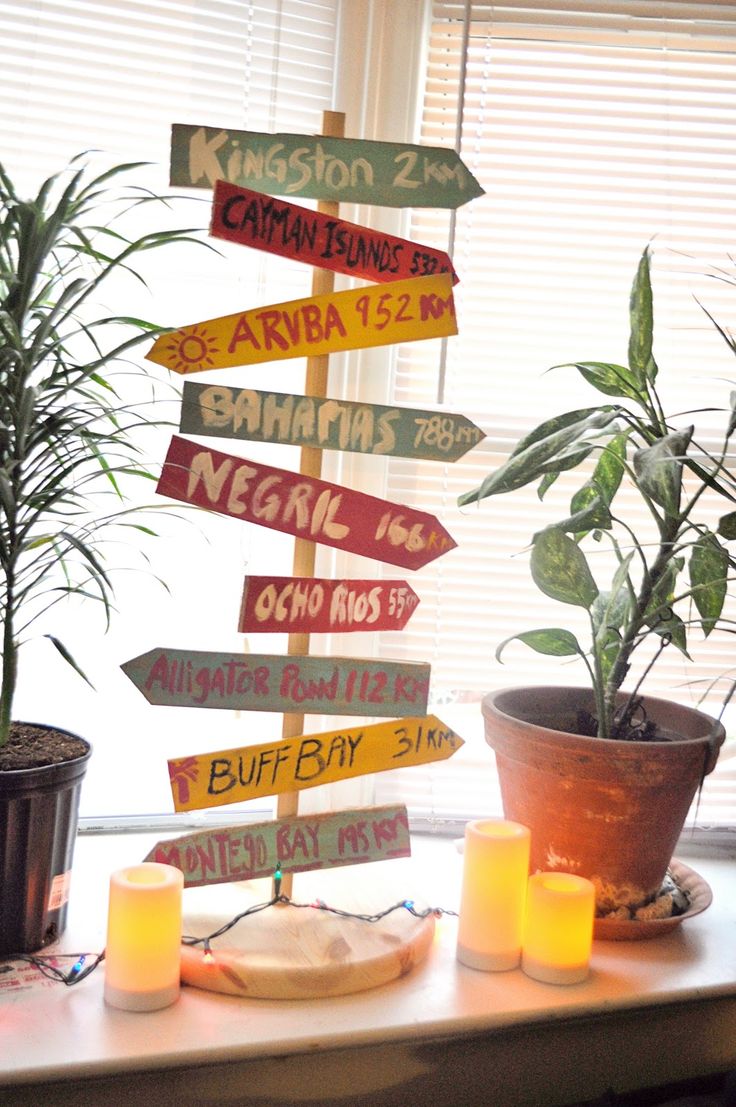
323	281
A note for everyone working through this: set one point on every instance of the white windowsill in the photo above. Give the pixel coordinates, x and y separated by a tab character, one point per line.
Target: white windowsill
52	1033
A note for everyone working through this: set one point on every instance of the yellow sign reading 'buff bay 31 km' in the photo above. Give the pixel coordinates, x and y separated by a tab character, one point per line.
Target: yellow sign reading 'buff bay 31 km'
377	315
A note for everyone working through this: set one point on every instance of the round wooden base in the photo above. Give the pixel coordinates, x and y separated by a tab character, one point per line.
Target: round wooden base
288	952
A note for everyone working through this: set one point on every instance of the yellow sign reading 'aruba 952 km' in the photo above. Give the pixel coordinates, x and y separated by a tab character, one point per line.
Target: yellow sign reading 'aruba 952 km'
377	315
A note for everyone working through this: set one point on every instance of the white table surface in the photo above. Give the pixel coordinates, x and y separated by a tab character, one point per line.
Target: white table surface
438	999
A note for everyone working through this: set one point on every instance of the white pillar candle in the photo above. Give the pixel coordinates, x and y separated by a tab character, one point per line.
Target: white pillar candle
143	951
495	874
558	933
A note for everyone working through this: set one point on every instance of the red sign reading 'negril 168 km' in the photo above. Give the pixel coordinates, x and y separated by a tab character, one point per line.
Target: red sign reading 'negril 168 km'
303	506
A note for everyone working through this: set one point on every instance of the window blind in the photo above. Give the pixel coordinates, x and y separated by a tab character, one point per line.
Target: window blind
112	76
595	129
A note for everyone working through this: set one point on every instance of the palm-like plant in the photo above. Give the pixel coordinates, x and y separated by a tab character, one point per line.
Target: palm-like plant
65	434
659	588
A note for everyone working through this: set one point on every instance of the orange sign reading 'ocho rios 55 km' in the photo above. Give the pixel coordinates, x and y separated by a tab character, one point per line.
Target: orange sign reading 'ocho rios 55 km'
377	315
303	506
307	604
289	230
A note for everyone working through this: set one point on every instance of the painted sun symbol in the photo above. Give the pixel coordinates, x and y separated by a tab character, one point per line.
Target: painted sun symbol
191	350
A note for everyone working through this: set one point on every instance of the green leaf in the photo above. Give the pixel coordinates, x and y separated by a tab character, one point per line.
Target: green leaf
610	379
659	469
68	658
608	648
727	526
709	563
560	570
641	318
587	512
674	629
552	641
545	484
545	450
610	467
610	610
659	614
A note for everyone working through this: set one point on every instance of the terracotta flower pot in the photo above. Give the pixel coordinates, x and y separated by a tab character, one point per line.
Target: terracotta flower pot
608	810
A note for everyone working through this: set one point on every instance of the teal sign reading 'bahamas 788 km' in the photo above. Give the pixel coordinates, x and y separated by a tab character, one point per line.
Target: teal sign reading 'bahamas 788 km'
357	171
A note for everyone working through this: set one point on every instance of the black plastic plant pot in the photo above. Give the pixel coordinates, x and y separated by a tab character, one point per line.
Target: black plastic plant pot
38	827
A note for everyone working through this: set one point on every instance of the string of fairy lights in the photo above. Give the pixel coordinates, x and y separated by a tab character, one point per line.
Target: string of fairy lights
85	963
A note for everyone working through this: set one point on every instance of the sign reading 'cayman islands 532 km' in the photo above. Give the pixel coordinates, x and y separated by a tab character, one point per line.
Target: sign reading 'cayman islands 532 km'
377	315
254	416
272	682
353	171
278	227
231	776
303	506
303	605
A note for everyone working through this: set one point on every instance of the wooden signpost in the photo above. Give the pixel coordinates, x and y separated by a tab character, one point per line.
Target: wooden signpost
404	311
305	761
325	167
289	230
296	504
309	604
300	844
287	952
215	410
273	682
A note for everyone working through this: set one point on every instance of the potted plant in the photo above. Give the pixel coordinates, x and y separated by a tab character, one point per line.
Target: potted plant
66	439
604	776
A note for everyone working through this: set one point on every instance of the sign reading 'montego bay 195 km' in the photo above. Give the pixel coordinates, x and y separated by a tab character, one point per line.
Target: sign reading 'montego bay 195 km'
274	682
231	776
289	230
301	505
376	315
303	605
353	171
296	844
217	411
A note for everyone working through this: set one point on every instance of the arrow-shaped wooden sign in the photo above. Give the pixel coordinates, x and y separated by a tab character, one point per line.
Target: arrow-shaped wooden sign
217	411
376	315
303	506
231	776
305	605
289	230
352	171
272	682
297	844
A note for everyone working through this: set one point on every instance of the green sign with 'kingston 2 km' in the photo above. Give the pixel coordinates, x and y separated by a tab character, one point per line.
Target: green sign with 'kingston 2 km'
353	171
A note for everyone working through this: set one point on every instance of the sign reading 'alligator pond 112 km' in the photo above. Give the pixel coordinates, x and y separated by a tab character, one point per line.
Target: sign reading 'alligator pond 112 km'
273	682
302	506
354	171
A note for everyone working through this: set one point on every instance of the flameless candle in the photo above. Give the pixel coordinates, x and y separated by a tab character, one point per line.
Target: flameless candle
558	933
495	873
143	952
